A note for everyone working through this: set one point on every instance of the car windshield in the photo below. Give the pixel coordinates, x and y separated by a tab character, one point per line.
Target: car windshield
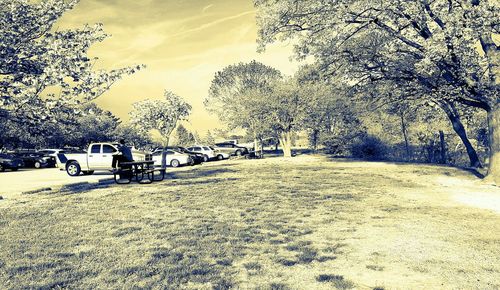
206	148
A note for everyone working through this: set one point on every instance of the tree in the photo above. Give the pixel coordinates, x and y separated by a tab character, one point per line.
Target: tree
238	95
184	137
330	120
209	138
136	136
161	115
36	60
405	114
438	38
288	107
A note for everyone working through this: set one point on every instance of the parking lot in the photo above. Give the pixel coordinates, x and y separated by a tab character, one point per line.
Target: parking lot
15	183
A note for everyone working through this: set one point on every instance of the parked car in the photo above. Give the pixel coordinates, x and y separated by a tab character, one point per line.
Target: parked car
174	158
37	159
208	154
53	152
197	158
10	161
231	149
99	157
219	155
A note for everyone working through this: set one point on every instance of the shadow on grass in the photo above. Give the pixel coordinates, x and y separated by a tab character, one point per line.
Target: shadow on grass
474	171
191	182
199	173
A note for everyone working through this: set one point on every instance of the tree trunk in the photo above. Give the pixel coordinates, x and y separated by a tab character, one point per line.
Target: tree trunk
494	138
405	135
458	127
460	130
314	140
261	147
164	156
286	143
443	147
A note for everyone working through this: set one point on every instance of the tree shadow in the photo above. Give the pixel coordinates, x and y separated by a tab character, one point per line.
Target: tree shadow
474	171
199	173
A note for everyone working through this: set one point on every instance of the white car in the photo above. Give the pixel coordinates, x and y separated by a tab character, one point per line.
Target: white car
174	158
208	153
219	155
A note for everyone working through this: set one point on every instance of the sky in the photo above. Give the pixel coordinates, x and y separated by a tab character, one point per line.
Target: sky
182	43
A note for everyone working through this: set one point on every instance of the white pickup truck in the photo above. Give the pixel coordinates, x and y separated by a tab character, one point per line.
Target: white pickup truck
99	157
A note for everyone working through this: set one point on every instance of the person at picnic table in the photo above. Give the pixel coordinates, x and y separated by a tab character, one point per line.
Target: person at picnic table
124	154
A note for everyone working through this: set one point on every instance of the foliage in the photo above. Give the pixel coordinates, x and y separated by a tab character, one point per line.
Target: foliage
37	60
399	50
135	136
161	115
209	138
184	137
89	124
238	95
369	148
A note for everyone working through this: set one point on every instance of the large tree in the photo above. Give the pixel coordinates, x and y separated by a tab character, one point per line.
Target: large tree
161	115
288	107
45	71
238	96
439	39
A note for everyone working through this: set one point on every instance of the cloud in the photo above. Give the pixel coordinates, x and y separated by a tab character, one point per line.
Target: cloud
206	8
210	24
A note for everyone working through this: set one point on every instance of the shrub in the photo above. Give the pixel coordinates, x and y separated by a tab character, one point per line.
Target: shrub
369	148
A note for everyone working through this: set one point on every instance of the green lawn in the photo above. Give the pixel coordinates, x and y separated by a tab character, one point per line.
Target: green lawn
302	223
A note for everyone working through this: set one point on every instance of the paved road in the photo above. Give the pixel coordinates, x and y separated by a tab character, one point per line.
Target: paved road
14	183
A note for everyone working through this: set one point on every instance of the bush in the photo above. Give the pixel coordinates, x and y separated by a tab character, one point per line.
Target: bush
369	148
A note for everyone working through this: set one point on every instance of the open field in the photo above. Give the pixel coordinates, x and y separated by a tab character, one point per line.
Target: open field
302	223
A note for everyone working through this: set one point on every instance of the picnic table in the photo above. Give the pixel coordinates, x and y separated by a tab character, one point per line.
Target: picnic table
142	171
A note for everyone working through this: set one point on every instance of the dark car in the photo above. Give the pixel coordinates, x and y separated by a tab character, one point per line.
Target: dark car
37	159
9	161
231	149
197	158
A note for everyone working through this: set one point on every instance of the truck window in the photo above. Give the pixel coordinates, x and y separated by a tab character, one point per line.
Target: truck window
108	149
95	149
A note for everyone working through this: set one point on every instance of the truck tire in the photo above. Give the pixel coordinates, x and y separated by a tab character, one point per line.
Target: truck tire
238	152
175	163
73	168
220	157
205	158
2	169
38	165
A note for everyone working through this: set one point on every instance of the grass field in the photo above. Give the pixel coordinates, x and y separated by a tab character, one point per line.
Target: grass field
302	223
